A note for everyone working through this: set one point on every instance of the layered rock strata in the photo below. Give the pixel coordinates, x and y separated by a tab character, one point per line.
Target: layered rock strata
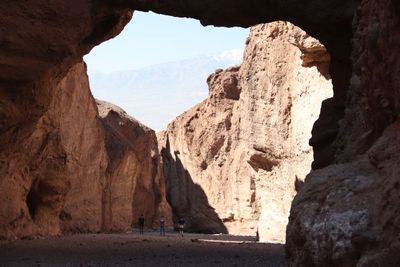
231	163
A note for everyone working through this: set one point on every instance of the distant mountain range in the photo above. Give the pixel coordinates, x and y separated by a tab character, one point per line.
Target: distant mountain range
155	95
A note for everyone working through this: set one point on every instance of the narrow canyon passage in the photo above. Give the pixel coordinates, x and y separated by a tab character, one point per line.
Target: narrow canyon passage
232	162
69	164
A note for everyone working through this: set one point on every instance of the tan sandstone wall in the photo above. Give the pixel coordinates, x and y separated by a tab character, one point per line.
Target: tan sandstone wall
60	166
42	40
246	144
67	179
45	147
86	158
135	182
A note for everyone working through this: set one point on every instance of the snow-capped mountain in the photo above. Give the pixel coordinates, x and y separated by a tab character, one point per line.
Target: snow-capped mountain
155	95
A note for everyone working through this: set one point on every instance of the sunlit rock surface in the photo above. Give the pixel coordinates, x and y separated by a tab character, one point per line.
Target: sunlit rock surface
53	168
52	153
42	40
244	148
75	180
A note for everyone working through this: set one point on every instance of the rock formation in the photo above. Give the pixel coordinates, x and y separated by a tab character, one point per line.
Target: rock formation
50	159
331	224
330	21
347	214
49	131
70	174
134	179
231	162
42	40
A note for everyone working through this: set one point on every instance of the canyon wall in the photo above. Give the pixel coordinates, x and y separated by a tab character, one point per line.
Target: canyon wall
44	109
134	180
57	174
65	175
357	128
330	21
232	162
46	157
347	214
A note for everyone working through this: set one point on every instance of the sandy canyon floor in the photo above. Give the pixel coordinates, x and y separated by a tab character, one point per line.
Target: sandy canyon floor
149	249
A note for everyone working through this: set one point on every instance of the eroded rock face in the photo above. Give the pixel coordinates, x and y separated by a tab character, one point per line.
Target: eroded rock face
43	136
38	35
69	178
48	163
82	139
247	144
329	21
54	163
347	214
373	102
42	40
134	179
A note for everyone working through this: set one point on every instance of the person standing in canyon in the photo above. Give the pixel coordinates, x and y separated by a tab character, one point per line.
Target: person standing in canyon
162	226
181	225
141	224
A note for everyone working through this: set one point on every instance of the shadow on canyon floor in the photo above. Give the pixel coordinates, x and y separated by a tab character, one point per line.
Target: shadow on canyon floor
150	249
187	199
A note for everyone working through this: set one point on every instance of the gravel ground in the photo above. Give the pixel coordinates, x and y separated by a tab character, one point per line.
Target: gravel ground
150	249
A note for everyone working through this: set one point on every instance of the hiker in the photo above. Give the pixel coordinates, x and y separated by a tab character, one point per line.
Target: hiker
141	224
162	225
181	225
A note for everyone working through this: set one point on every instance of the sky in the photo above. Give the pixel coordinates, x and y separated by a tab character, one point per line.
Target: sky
151	39
152	45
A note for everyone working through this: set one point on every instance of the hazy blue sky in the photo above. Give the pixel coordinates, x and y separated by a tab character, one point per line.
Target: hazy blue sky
151	39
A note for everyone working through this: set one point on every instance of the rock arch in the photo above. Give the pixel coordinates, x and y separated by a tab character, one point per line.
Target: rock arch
41	41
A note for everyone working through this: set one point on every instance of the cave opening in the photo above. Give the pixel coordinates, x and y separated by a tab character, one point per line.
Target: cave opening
33	199
278	90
